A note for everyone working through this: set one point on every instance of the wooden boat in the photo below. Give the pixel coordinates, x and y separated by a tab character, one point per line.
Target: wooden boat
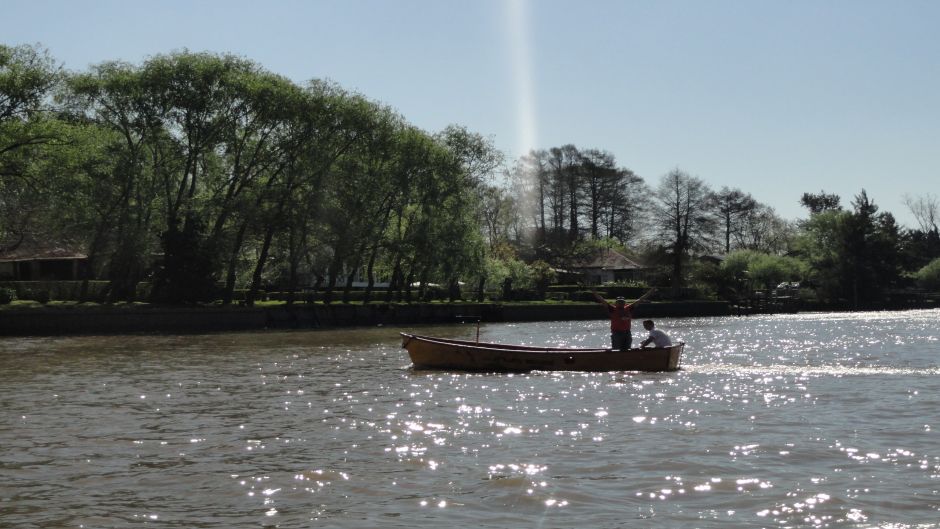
441	353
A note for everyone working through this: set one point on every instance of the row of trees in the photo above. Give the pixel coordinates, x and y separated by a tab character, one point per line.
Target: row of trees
223	173
573	195
231	174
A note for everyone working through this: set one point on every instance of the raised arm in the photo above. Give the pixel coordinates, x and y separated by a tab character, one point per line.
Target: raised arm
598	298
644	296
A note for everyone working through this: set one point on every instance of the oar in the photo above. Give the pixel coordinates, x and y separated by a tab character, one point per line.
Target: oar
464	319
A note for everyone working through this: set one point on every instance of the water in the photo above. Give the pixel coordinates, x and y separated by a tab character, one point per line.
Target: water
813	420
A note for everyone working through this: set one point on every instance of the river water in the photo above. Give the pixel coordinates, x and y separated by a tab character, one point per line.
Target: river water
809	420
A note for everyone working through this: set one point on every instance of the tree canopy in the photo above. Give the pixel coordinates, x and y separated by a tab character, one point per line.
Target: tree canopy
205	174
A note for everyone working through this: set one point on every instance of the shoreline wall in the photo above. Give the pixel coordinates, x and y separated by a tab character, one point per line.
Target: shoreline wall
103	320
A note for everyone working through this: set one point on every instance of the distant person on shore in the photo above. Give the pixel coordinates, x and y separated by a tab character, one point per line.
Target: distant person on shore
621	315
657	337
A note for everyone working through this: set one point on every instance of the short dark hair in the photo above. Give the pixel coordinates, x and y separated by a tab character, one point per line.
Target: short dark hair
650	322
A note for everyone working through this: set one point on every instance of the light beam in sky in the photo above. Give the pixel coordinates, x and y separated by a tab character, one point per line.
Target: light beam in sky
517	31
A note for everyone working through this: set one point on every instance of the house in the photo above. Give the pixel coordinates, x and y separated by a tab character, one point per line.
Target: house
608	266
42	263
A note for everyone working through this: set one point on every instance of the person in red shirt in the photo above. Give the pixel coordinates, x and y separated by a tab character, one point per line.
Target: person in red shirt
621	315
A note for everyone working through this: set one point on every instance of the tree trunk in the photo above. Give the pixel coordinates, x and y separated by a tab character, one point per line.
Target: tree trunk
293	264
259	268
394	285
370	271
677	273
90	263
233	263
332	272
454	289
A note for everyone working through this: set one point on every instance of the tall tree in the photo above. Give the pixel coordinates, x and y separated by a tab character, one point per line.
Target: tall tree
854	255
479	160
564	177
732	206
762	230
529	184
601	179
114	96
28	131
683	215
626	206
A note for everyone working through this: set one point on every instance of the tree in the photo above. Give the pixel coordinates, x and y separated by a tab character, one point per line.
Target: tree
745	270
601	179
871	251
28	132
626	206
733	206
529	181
362	191
28	75
564	173
478	156
926	211
761	229
853	255
818	203
113	96
496	208
682	214
479	159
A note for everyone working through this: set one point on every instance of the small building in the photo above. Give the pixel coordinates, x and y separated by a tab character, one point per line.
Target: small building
42	263
609	266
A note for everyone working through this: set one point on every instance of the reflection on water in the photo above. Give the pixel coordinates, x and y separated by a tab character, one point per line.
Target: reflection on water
813	420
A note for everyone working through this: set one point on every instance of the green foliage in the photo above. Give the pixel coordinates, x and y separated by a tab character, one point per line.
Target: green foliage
41	296
853	256
820	202
542	275
197	169
520	274
188	273
743	271
7	295
59	290
928	277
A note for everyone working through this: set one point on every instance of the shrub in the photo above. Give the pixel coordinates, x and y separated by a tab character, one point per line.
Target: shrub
40	295
761	270
928	277
7	295
584	295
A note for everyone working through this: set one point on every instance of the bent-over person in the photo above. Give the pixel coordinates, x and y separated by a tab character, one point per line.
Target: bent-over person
657	337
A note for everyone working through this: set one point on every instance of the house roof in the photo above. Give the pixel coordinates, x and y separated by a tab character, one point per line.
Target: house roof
50	252
610	260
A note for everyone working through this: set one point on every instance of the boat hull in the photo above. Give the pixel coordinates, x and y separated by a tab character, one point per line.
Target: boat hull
439	353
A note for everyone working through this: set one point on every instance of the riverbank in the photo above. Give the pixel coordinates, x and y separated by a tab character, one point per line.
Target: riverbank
59	320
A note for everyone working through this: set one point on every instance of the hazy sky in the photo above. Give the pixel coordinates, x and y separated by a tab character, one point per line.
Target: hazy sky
776	98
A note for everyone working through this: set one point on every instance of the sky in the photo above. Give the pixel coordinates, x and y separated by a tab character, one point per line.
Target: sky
776	98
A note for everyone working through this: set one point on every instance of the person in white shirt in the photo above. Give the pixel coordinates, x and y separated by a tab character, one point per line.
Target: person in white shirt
657	337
